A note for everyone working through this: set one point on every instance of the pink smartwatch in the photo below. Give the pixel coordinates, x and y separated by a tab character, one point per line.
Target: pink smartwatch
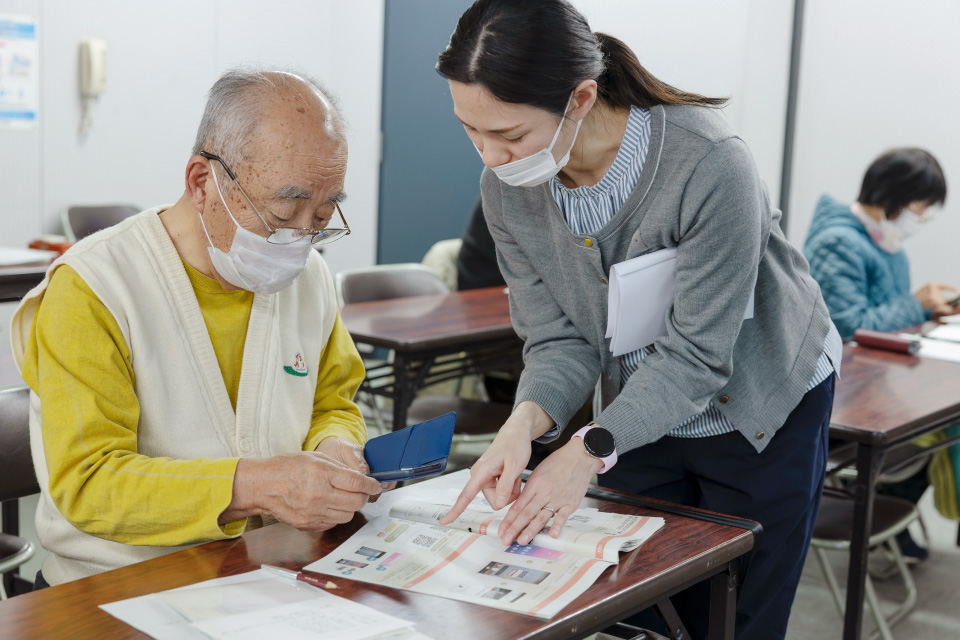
599	443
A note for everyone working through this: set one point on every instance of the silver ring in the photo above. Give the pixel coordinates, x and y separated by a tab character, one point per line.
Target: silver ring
552	511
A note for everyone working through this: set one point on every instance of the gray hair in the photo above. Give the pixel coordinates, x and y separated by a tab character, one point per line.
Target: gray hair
237	101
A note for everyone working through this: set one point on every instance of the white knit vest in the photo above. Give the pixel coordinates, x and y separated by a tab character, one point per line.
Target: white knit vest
185	412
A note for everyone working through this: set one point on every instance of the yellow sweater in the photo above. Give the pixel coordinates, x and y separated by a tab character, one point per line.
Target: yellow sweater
77	355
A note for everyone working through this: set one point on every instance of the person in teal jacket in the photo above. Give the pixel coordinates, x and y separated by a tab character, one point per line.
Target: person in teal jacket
855	250
855	254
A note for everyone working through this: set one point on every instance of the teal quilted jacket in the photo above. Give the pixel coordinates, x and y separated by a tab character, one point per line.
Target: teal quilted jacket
864	287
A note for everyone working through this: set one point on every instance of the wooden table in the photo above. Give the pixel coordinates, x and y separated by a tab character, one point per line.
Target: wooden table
15	282
420	330
687	550
885	400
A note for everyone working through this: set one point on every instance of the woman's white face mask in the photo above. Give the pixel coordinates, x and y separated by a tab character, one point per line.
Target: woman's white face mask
889	234
254	264
539	167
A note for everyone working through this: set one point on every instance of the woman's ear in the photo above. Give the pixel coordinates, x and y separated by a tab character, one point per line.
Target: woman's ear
198	171
584	97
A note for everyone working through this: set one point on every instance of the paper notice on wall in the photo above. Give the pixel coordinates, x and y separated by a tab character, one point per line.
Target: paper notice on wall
19	72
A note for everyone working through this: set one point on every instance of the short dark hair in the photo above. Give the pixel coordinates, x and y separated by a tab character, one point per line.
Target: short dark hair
901	176
535	52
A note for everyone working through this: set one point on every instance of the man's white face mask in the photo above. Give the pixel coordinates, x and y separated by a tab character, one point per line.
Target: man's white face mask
539	167
254	264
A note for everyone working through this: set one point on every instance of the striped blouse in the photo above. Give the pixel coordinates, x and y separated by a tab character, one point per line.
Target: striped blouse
586	209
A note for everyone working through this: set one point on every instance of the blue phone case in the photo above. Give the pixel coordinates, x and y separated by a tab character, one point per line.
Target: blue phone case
418	451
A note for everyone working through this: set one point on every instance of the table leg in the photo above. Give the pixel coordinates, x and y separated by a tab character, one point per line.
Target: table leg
675	627
403	391
869	460
723	602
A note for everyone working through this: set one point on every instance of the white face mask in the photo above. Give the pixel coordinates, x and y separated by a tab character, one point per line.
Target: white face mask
888	234
540	167
907	223
254	264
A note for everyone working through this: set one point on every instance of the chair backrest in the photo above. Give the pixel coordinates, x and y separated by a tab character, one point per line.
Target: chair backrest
442	258
17	478
79	222
387	281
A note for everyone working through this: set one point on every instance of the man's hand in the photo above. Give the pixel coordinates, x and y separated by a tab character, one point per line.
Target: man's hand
350	454
307	490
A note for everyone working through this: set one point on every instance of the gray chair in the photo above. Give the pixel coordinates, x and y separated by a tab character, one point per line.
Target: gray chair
17	479
833	531
477	421
79	222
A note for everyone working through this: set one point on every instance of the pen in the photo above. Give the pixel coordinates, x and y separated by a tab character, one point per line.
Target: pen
310	577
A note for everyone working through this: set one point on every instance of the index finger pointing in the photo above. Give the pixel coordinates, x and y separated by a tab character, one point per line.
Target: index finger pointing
470	491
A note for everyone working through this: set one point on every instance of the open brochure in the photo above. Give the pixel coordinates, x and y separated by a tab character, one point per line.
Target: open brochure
407	549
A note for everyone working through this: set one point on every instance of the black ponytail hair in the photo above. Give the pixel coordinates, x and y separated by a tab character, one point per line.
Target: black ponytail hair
901	176
536	52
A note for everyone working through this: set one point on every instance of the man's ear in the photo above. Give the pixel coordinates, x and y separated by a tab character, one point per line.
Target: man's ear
197	175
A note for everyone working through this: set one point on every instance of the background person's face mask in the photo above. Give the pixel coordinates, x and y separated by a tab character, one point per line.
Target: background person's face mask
540	167
888	234
254	264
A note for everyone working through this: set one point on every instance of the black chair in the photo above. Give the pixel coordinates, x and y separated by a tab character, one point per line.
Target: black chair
79	222
17	480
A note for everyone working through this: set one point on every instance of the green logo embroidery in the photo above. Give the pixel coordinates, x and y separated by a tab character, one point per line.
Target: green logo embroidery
299	367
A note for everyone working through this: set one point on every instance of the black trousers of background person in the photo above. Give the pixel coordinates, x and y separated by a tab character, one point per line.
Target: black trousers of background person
780	488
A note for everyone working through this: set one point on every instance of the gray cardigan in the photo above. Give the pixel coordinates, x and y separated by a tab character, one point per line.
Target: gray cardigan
700	192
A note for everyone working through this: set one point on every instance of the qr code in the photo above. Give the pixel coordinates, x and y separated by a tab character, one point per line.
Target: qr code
424	541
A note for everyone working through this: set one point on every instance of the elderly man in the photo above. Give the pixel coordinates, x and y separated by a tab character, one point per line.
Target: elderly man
190	371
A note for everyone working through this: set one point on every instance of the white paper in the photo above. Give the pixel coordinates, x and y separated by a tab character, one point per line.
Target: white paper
641	291
936	349
945	332
17	257
240	606
19	74
954	319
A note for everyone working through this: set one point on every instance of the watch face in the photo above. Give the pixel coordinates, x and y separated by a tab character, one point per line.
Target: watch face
599	442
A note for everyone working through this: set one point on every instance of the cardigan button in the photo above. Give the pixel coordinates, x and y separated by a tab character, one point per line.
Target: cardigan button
588	242
244	444
603	280
723	399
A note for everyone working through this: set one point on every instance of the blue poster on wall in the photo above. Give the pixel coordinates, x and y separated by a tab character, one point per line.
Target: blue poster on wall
19	75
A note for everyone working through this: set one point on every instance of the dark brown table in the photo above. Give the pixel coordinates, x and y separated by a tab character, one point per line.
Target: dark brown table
15	282
692	546
421	330
884	401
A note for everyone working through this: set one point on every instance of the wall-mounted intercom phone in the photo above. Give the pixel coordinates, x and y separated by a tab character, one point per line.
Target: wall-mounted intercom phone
93	77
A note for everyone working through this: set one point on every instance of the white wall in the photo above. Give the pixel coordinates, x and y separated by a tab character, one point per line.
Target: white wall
876	74
738	48
162	58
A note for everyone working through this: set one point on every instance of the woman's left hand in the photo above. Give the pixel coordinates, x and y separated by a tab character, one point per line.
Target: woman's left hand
559	482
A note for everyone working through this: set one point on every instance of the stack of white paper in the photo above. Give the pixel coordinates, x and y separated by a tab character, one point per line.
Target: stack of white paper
248	606
641	292
945	332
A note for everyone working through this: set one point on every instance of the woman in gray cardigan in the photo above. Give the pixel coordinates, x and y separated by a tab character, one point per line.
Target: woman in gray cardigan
590	161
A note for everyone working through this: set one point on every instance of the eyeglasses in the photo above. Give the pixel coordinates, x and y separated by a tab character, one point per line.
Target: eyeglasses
287	235
921	217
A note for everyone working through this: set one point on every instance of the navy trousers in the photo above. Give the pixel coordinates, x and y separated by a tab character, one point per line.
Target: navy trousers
779	488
